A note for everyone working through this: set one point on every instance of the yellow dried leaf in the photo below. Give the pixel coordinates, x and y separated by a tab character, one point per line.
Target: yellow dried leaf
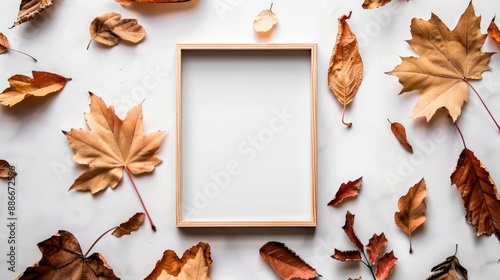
265	20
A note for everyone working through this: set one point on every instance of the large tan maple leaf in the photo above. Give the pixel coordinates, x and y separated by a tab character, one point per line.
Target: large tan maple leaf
448	60
112	145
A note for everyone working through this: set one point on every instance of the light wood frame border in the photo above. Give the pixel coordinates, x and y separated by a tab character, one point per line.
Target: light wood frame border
313	130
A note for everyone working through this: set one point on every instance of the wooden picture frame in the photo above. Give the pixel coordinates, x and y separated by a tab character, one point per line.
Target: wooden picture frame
246	135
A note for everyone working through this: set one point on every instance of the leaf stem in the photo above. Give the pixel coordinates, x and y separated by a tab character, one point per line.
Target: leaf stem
484	104
411	249
24	54
271	8
368	264
153	227
461	135
343	114
97	240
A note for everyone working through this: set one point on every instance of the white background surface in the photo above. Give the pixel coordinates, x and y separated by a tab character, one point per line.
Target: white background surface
125	75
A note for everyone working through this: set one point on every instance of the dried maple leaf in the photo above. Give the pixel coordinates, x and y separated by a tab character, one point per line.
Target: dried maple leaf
6	170
194	264
127	2
493	32
479	194
346	67
399	132
131	225
107	28
62	258
286	262
22	87
265	20
111	146
448	60
380	267
412	209
4	46
349	189
450	269
30	9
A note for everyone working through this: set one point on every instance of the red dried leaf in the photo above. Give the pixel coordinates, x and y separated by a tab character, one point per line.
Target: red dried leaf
493	32
375	246
350	232
349	189
399	132
385	265
347	255
286	262
479	194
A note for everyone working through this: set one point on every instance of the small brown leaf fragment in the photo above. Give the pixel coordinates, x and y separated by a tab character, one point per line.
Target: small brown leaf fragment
194	264
356	278
108	28
412	209
349	189
131	225
347	255
30	9
479	194
265	20
375	246
22	87
399	132
493	32
385	265
127	2
450	269
4	43
6	170
346	67
62	258
370	4
350	232
285	262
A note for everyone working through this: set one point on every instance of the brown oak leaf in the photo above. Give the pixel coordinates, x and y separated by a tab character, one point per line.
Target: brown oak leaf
127	2
6	169
479	194
450	269
493	32
22	87
448	61
107	28
346	67
285	262
30	9
194	264
349	189
131	225
399	132
112	145
62	258
412	209
375	247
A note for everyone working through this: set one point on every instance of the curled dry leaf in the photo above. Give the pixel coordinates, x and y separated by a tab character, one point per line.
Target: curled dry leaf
4	46
22	87
6	169
285	262
385	265
194	264
479	194
127	2
412	209
399	132
30	9
350	232
107	28
448	61
349	189
450	269
265	20
347	255
370	4
346	67
376	246
62	258
493	32
131	225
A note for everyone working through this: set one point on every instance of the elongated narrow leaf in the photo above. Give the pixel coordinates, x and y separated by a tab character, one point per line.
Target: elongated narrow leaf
412	209
399	132
350	232
376	246
385	265
349	189
347	255
131	225
479	194
30	9
346	67
286	262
